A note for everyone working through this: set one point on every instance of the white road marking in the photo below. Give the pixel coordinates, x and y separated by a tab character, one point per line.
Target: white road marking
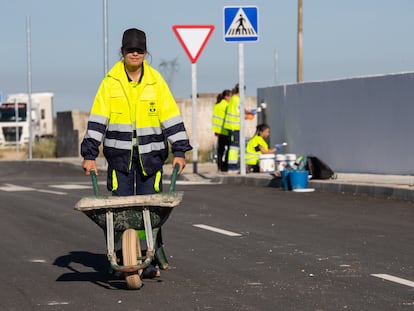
37	260
51	192
11	187
395	279
217	230
195	182
16	188
57	303
71	187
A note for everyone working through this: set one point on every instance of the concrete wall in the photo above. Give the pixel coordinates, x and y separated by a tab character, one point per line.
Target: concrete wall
70	129
71	125
355	125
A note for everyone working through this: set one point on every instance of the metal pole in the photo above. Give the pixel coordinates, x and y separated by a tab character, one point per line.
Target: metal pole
105	25
241	105
16	115
300	39
194	116
29	86
105	40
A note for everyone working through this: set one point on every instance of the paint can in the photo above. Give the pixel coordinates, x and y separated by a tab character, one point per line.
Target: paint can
267	163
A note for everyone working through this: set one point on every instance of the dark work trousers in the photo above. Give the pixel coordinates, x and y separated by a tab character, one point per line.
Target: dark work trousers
234	149
133	182
223	145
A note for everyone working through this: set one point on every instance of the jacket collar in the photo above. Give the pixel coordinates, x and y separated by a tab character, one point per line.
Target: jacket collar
118	72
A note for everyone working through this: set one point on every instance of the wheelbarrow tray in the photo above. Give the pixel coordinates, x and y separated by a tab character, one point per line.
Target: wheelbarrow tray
127	210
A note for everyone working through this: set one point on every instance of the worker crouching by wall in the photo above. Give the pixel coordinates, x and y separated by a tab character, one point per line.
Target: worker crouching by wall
256	146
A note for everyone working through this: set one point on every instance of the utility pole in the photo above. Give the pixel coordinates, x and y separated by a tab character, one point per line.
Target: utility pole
105	33
300	39
29	86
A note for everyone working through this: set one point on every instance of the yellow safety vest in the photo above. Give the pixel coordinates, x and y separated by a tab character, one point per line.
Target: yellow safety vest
219	113
232	119
252	156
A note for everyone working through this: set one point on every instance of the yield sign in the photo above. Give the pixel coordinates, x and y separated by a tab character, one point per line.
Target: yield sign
193	38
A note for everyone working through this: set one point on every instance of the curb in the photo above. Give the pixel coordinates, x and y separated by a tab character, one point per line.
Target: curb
375	190
378	191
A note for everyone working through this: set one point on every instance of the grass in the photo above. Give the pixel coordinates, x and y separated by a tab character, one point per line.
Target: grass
44	148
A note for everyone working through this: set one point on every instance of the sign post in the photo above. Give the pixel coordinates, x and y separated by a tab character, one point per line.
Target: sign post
193	38
241	25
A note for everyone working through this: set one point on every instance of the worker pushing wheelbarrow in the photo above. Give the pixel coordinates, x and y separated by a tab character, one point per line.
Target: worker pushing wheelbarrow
127	217
136	118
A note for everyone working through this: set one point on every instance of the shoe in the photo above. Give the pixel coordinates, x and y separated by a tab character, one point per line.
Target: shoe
118	275
151	272
118	254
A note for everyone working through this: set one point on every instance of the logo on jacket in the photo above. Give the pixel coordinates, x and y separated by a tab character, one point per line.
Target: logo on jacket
152	109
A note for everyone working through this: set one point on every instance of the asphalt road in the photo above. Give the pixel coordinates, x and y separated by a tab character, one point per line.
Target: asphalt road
279	251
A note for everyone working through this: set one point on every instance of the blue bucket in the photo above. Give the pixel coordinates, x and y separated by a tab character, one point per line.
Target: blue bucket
285	179
298	179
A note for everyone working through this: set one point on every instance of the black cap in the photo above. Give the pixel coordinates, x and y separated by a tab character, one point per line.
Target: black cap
134	39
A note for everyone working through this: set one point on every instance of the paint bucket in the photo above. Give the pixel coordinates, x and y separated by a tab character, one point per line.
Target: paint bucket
280	162
267	163
298	179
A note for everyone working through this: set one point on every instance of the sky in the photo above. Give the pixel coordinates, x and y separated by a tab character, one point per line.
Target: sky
341	39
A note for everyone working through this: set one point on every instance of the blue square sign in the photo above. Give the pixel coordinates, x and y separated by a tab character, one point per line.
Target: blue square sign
241	24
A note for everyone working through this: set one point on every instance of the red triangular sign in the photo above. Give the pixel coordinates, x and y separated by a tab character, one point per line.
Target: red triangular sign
193	38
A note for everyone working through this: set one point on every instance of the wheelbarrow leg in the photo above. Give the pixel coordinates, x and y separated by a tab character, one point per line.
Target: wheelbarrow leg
110	241
150	255
148	230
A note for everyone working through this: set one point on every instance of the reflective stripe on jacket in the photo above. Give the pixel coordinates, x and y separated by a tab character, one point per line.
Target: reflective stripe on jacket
219	113
112	118
252	150
232	119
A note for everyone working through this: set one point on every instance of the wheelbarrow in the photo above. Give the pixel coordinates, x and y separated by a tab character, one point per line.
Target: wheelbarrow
126	217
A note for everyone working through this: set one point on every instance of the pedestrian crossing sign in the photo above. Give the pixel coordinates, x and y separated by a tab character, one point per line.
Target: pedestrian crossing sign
240	24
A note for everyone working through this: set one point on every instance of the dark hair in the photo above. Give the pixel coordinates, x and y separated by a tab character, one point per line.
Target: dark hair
218	98
222	95
235	90
261	127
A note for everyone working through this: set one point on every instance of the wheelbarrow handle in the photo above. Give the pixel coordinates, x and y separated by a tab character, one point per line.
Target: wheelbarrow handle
94	183
174	178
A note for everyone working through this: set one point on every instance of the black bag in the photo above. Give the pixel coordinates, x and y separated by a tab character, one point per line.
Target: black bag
319	169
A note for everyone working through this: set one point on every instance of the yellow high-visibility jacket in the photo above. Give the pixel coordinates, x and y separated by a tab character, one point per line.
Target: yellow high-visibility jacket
232	119
143	114
219	113
253	151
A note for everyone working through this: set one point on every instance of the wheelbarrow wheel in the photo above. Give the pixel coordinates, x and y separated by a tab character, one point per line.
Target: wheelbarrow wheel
130	251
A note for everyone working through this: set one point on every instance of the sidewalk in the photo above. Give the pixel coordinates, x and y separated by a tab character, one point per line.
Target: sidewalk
377	185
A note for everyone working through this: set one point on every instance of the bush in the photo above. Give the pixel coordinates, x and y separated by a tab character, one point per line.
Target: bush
44	148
